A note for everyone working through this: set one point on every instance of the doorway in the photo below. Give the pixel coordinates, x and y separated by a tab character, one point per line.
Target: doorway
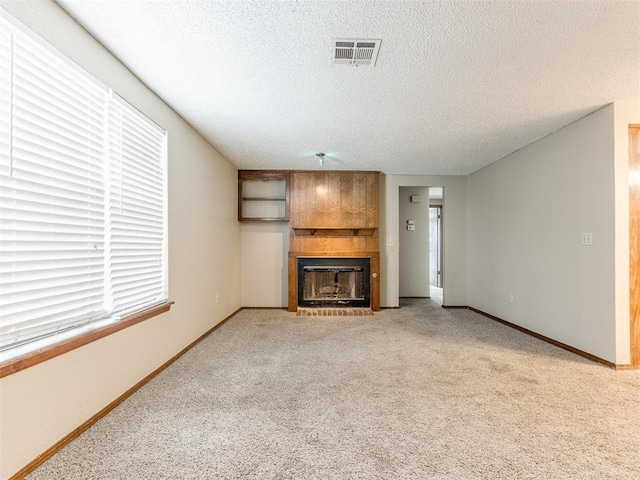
420	243
436	201
435	246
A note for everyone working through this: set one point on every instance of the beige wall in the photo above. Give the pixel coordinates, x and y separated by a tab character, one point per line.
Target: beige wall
526	216
454	235
265	249
414	244
40	405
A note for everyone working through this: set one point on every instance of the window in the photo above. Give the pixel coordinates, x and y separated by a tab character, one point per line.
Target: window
82	199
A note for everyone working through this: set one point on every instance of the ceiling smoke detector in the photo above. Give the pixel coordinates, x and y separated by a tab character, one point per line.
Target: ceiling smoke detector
354	52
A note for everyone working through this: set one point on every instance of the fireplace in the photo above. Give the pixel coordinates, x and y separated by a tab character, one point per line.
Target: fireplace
334	282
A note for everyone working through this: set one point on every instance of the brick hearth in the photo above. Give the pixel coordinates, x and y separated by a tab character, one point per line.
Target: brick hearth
333	312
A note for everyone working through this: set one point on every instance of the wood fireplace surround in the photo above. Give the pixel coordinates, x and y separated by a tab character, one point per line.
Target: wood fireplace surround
334	214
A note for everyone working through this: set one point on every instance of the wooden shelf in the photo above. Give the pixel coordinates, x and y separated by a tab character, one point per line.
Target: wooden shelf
335	232
263	195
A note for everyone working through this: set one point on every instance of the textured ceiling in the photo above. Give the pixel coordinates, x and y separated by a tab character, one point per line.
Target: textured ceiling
457	84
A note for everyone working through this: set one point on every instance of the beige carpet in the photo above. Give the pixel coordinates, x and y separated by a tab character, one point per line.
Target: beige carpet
418	392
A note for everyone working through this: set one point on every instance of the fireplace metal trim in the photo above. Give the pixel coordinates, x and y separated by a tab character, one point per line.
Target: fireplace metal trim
341	264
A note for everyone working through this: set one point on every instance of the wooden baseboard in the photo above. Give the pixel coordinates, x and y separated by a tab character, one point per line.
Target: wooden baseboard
564	346
60	444
452	307
625	366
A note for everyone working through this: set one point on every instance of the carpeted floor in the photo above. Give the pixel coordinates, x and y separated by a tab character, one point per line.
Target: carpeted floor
417	392
435	294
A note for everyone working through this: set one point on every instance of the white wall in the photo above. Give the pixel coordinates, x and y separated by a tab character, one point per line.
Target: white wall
454	235
414	244
526	216
40	405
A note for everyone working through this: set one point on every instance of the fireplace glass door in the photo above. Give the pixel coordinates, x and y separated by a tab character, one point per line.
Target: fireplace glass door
333	282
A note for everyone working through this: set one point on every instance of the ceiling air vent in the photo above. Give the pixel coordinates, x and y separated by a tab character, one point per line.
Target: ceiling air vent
349	51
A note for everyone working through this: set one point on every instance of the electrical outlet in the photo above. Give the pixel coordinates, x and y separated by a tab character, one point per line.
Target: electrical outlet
217	298
511	298
390	242
587	239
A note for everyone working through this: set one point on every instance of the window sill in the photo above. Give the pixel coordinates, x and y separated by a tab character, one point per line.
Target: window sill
40	355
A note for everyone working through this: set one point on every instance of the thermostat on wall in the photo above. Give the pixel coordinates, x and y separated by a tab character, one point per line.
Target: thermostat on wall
416	198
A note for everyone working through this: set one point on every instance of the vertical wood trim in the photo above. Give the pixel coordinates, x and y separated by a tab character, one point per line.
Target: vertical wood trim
375	282
634	243
240	182
293	282
287	196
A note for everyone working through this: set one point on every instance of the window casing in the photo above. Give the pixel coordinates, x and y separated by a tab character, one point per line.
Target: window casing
82	199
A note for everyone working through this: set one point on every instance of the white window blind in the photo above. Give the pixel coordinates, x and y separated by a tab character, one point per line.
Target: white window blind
82	197
5	99
136	207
